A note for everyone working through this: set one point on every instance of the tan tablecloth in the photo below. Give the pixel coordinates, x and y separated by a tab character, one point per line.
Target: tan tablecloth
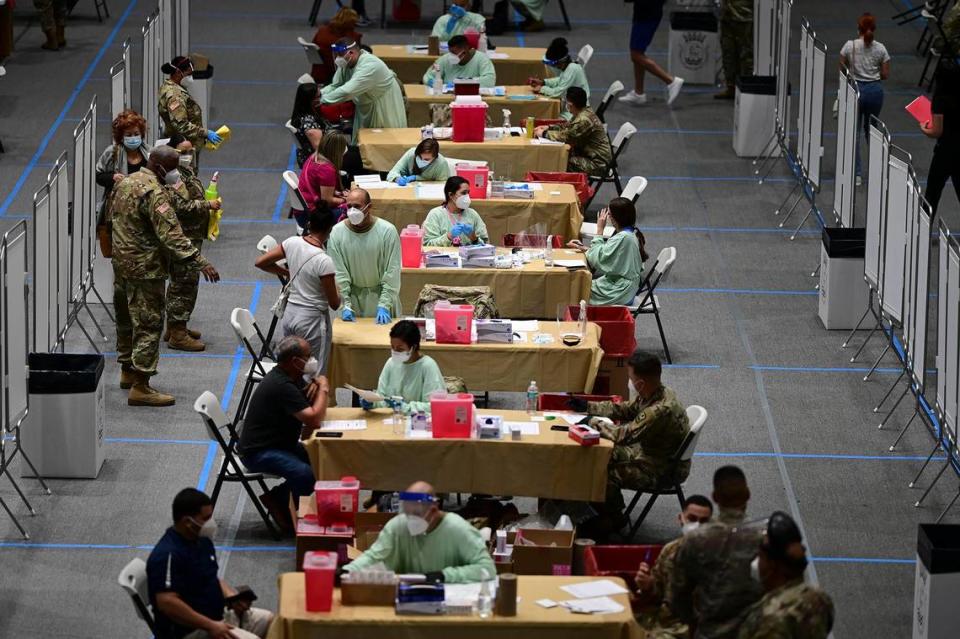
418	112
533	291
360	349
546	465
510	156
556	214
520	63
532	621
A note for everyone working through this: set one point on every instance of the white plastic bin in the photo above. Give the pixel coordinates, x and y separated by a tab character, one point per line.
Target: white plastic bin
754	118
843	292
694	46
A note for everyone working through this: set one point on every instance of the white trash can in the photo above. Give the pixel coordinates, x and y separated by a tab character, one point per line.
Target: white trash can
694	47
843	292
63	431
935	611
753	115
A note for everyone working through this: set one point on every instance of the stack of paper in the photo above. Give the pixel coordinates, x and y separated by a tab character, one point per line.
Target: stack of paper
343	424
497	91
429	190
371	182
593	597
593	606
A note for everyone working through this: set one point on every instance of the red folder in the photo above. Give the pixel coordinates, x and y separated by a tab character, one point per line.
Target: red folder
920	109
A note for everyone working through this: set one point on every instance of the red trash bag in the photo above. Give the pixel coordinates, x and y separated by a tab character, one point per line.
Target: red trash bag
618	336
578	180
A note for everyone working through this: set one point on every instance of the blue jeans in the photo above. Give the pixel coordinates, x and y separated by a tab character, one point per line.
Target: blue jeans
292	465
871	101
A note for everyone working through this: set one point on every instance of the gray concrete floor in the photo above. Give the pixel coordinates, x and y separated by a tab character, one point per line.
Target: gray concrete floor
740	311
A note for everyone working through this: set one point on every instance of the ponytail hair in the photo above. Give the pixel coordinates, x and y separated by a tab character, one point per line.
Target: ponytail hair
623	211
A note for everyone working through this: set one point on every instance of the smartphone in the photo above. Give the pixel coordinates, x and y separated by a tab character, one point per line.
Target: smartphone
560	427
332	435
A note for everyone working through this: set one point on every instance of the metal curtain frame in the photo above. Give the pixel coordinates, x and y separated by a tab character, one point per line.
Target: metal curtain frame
764	36
848	135
780	138
181	27
150	77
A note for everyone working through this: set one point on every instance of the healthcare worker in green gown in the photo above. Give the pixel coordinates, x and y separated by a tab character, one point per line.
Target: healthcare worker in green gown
617	261
408	377
565	74
423	162
454	223
366	251
457	20
462	62
369	82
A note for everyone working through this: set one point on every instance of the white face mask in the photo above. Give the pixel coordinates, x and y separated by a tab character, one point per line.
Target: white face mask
416	526
171	177
689	526
310	368
755	570
421	163
186	159
355	215
208	529
633	387
400	357
463	202
341	62
453	58
187	81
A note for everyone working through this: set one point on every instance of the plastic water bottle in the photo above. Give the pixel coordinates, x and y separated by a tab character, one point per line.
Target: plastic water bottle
212	193
436	88
482	43
533	398
395	503
485	601
548	252
506	121
582	323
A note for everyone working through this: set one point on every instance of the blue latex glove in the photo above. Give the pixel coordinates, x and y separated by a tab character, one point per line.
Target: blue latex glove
430	83
212	137
393	403
383	315
404	180
412	178
466	229
348	316
365	405
456	229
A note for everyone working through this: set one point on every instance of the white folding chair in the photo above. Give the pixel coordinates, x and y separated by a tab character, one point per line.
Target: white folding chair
311	50
294	198
215	422
608	98
697	415
610	172
245	327
586	52
646	302
305	78
635	188
133	579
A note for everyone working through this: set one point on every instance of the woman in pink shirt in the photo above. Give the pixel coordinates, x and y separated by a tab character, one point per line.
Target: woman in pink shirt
320	175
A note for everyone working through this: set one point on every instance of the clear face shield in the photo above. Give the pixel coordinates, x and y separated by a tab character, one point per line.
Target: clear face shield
416	508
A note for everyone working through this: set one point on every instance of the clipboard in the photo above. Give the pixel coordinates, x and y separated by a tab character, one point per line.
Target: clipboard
921	109
370	396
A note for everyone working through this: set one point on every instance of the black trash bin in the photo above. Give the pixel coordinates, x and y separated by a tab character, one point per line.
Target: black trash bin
63	433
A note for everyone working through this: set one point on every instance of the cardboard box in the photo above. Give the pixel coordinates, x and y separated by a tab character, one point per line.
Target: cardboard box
552	552
369	525
367	594
612	378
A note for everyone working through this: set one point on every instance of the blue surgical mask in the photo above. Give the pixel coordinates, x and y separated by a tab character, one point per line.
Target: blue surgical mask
132	142
421	163
457	11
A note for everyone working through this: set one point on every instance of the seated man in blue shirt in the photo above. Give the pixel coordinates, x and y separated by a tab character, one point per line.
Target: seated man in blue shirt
187	597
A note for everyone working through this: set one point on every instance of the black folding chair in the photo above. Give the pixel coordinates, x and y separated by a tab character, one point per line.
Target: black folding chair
231	468
697	416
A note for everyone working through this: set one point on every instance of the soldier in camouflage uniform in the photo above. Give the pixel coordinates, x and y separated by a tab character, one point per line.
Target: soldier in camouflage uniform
736	43
654	584
590	150
179	111
53	18
790	609
193	212
712	584
146	239
480	297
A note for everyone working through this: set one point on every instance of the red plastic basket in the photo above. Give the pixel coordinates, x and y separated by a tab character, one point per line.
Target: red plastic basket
619	561
618	335
558	401
578	180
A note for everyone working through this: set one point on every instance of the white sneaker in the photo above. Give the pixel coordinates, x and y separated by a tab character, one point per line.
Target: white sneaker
673	90
637	99
858	180
3	71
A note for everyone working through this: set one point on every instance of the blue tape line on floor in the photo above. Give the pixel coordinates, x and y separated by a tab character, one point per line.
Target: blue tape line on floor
207	466
282	196
45	140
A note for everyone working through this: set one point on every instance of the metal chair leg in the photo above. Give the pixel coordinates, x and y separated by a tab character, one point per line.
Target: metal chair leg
933	483
904	431
19	450
855	328
797	230
924	467
566	19
876	409
876	363
787	199
790	212
13	518
16	486
865	342
663	338
887	416
643	515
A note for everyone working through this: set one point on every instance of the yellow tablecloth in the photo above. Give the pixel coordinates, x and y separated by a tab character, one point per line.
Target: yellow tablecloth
546	465
532	621
532	291
510	156
360	349
520	63
418	112
556	214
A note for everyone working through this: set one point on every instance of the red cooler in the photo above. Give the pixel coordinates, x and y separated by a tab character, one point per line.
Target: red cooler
468	121
337	503
477	176
411	246
454	322
452	415
318	571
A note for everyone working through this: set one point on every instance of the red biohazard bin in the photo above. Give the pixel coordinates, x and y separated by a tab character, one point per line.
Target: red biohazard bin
318	571
579	181
468	122
454	322
337	503
617	337
452	415
411	246
477	177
